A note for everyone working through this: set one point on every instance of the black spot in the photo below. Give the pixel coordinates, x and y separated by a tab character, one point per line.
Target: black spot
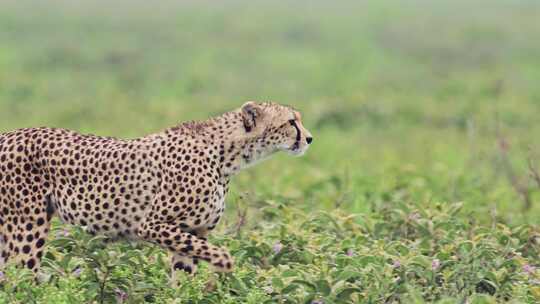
185	249
31	263
178	265
40	243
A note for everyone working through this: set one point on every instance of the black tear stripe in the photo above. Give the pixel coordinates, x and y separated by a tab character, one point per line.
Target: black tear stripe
298	135
253	117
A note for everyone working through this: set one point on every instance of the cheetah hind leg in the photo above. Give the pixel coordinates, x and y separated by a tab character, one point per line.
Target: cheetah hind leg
3	241
30	242
3	250
23	239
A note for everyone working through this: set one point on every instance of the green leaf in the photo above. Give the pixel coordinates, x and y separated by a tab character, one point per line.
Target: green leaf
323	287
348	274
277	282
345	294
307	284
290	288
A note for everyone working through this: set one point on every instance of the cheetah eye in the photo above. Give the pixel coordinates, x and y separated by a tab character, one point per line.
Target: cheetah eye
292	121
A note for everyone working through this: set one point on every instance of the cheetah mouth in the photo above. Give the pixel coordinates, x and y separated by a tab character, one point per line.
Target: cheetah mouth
296	149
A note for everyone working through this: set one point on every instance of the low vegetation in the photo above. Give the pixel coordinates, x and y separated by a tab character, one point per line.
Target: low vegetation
405	253
421	185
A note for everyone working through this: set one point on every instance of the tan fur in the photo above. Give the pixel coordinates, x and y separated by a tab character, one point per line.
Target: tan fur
167	188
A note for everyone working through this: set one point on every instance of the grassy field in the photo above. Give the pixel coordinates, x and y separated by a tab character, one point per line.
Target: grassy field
419	186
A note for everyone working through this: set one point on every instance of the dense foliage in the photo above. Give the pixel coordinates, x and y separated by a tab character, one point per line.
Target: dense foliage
405	253
422	183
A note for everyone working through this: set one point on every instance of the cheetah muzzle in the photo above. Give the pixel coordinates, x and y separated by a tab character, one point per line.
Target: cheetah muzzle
167	188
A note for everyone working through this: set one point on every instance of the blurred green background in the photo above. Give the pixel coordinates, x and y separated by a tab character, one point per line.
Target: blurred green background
421	101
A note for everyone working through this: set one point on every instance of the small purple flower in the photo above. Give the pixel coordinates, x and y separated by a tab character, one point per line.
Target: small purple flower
63	233
350	252
2	276
504	145
317	302
396	264
435	264
121	296
268	289
277	247
414	216
529	269
77	272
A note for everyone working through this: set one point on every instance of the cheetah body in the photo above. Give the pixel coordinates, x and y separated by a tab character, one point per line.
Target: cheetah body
167	188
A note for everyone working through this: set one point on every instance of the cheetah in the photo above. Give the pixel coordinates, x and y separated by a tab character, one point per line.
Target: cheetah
166	188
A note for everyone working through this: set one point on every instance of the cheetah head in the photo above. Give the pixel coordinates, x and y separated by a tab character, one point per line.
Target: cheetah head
275	127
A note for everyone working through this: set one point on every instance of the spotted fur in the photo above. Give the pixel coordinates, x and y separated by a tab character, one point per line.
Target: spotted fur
167	188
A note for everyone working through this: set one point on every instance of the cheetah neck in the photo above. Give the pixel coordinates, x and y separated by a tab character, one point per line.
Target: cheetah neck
237	150
241	155
233	148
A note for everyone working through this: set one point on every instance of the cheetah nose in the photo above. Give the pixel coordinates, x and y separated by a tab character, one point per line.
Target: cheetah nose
309	140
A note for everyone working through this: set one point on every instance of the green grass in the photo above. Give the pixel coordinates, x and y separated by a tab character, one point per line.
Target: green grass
408	103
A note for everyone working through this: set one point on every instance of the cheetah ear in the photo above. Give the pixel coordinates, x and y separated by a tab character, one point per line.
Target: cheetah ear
251	112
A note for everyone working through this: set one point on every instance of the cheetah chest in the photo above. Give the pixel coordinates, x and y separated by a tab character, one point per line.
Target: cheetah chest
217	206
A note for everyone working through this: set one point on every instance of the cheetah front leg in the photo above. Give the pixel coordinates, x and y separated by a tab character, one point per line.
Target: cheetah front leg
185	246
184	263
